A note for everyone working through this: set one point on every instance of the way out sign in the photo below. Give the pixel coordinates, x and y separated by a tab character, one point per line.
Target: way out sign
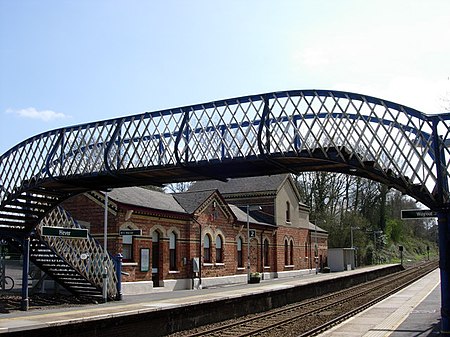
77	233
418	214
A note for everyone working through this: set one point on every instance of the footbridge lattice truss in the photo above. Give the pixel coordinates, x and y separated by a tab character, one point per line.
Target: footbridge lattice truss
290	131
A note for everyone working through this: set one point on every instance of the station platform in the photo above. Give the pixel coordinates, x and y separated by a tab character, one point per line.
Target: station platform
413	311
137	307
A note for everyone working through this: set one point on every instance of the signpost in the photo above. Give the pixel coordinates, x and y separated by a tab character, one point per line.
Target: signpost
74	233
418	214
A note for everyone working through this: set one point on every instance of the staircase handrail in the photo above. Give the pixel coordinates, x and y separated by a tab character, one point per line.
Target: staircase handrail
85	255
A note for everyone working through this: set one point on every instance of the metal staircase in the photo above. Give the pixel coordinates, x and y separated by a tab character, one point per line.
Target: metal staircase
60	271
75	264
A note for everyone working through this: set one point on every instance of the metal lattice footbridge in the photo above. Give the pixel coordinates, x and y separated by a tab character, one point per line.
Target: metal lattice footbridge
289	131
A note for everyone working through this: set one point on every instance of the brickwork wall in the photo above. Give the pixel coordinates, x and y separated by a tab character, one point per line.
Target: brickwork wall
299	236
213	219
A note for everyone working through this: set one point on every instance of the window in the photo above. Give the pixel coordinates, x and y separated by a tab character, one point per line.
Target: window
306	249
291	260
219	252
240	261
127	248
266	253
207	249
288	211
286	252
172	251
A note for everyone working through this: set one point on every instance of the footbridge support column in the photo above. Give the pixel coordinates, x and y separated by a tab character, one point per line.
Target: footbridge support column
444	265
24	305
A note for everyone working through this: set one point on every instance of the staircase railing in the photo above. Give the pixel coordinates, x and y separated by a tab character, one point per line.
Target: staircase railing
85	255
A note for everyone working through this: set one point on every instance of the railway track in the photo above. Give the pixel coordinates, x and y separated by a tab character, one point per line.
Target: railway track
310	317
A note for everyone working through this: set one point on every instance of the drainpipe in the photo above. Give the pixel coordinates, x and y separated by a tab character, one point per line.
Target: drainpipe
262	255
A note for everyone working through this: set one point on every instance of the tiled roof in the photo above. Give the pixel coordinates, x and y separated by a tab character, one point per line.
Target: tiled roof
142	197
190	201
242	185
314	228
241	215
185	202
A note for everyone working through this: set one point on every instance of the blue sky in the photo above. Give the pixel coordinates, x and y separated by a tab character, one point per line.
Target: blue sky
68	62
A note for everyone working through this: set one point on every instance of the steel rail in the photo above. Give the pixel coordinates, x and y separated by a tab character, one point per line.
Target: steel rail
361	308
251	326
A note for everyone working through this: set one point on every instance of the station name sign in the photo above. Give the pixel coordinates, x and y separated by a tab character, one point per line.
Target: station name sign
418	214
65	232
130	232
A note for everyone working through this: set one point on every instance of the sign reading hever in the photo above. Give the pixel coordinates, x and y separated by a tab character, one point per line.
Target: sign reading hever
418	213
65	232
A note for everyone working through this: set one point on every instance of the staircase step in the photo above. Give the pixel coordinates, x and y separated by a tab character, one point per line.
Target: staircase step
56	267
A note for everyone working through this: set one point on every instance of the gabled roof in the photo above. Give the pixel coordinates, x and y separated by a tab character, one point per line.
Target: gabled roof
190	201
142	197
242	185
185	202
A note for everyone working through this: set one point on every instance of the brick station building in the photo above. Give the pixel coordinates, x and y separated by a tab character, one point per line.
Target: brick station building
200	237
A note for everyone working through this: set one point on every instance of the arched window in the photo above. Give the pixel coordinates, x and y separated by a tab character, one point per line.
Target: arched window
172	251
240	260
266	253
219	251
207	249
288	211
286	252
291	253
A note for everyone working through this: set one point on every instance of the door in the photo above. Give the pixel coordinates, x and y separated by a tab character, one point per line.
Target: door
155	258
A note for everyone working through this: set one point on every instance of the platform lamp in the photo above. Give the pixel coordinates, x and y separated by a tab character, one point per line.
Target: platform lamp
316	246
316	249
249	208
105	249
351	242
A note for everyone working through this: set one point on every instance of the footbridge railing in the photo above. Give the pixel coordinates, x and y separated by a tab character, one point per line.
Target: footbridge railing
290	131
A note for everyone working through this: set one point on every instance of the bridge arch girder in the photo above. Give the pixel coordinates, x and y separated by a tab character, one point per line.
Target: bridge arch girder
289	131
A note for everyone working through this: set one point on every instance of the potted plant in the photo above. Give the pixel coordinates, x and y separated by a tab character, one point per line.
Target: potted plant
255	277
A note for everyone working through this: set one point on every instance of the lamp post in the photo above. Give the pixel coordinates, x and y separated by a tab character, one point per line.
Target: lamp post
375	240
316	246
105	250
249	208
316	249
351	235
351	242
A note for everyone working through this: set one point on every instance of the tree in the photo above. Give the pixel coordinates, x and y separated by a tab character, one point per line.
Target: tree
178	187
339	202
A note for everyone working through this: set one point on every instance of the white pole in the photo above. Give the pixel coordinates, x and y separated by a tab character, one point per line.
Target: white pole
351	237
105	250
316	249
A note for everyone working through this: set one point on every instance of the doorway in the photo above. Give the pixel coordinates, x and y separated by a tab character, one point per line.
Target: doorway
155	258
